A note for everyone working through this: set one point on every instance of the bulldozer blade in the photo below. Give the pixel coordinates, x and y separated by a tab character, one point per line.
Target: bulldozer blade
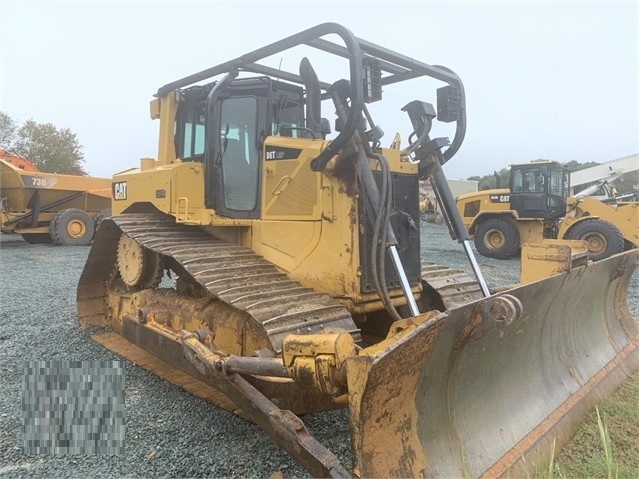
486	389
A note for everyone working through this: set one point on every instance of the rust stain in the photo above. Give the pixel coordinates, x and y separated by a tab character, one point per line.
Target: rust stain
346	174
471	325
385	438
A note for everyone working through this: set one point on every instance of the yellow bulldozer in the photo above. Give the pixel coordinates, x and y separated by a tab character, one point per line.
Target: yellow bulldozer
275	272
536	207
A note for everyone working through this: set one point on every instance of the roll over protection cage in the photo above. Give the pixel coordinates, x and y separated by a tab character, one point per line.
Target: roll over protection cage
397	67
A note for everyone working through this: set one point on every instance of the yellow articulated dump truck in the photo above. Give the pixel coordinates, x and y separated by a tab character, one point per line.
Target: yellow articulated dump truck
536	207
297	284
49	207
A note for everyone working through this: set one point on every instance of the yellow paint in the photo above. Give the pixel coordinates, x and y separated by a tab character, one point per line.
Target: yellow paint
551	257
165	109
623	215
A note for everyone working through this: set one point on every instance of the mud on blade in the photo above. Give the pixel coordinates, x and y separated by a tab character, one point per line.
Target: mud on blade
467	394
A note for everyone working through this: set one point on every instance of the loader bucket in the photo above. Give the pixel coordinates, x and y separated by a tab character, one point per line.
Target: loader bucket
468	393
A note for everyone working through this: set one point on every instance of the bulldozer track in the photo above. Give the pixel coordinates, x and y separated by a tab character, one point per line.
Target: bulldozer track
454	286
238	277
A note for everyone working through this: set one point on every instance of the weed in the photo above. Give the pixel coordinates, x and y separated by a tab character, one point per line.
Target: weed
614	426
605	440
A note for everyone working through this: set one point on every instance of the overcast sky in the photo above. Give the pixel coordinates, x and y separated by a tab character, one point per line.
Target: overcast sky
557	80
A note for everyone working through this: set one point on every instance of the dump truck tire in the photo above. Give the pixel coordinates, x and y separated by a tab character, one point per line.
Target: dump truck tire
497	238
603	238
72	227
37	238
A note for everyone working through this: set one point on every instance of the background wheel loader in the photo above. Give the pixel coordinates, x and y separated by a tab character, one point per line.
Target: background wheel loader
49	207
536	207
297	284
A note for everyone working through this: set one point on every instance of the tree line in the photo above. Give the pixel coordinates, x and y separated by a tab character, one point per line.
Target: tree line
51	149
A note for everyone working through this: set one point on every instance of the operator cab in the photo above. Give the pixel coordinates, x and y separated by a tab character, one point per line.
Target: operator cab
226	130
538	190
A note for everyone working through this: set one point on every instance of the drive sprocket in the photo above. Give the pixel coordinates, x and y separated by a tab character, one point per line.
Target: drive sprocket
138	267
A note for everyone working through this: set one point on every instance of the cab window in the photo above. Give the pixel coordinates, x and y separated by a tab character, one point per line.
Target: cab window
517	181
556	186
528	181
287	117
193	134
239	154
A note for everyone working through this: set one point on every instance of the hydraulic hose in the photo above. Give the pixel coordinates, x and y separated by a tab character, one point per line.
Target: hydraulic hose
380	229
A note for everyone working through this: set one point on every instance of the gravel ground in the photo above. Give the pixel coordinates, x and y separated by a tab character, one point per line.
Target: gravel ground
190	438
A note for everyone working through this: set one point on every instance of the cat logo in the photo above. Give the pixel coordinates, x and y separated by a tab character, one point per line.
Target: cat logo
500	198
119	190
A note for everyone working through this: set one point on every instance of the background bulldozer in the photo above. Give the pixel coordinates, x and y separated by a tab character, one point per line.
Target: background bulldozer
49	207
536	207
275	273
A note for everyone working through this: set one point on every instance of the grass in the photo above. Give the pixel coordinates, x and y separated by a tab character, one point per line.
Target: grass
607	443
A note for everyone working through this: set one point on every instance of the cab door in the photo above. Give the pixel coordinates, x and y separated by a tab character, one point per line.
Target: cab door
233	153
538	191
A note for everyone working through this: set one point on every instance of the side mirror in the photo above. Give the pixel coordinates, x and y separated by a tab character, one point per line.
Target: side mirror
421	116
